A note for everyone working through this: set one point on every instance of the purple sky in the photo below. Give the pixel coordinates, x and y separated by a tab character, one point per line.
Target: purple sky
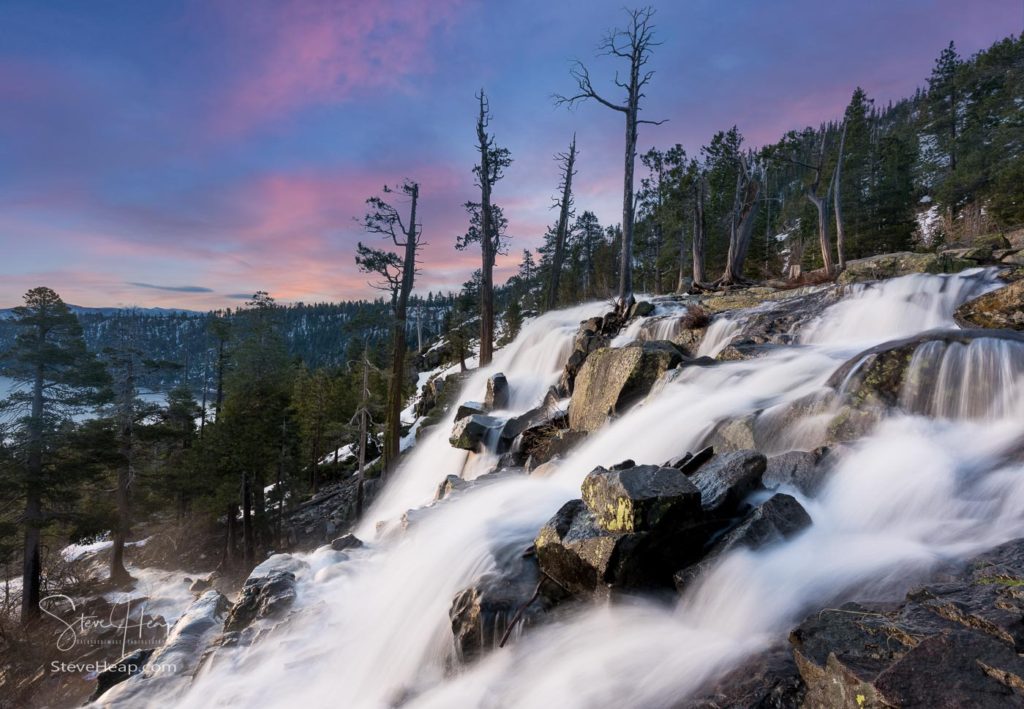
189	153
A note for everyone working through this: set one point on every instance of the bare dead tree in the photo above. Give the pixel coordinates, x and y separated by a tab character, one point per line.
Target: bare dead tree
490	169
633	44
398	272
820	204
564	204
741	223
837	202
699	191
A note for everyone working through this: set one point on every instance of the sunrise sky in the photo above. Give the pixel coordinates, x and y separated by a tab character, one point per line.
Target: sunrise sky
185	154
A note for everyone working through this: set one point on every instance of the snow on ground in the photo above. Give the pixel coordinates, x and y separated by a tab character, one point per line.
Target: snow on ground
74	552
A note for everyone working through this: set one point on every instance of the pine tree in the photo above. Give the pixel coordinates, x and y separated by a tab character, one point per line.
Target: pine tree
59	378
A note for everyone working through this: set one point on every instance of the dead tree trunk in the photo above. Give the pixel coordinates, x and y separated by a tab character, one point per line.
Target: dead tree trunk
699	276
564	204
681	281
363	415
837	202
633	44
741	227
820	204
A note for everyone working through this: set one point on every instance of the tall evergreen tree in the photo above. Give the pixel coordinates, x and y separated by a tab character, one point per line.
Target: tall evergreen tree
58	378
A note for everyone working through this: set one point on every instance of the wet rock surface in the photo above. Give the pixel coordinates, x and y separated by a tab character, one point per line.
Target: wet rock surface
639	498
807	471
777	519
1003	308
470	432
613	379
728	478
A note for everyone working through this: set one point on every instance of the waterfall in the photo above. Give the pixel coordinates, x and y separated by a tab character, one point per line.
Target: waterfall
370	627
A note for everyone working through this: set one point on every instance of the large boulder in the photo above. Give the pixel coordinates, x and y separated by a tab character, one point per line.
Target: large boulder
174	663
514	592
613	379
727	479
468	408
639	498
262	597
593	334
950	644
804	470
471	432
1000	309
875	268
779	518
497	392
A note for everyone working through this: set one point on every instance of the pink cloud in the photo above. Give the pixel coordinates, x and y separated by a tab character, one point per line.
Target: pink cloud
302	53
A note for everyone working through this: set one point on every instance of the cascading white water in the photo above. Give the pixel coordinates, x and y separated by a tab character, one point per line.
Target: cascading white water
533	363
978	380
372	629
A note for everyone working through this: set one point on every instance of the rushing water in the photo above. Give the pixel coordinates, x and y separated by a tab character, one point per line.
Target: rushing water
371	628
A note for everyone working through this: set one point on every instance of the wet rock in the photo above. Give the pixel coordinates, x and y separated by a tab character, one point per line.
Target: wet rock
548	441
641	309
470	433
127	666
592	335
497	392
639	498
769	680
999	309
547	414
481	614
347	541
728	478
268	592
174	662
689	339
804	470
199	585
469	408
875	268
613	379
777	519
582	557
953	643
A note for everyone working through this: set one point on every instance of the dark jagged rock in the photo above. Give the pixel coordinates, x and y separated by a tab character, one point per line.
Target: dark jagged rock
264	595
450	484
581	556
547	441
497	392
777	519
128	666
348	541
1001	309
470	433
804	470
547	413
639	498
613	379
953	643
728	478
480	614
690	463
469	408
768	681
175	662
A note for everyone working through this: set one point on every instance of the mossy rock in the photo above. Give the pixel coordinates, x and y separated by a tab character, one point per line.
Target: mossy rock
999	309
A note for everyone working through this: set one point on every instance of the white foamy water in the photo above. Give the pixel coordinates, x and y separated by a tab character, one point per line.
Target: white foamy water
372	629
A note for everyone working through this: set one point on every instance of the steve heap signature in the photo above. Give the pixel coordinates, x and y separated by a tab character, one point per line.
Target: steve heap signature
63	610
